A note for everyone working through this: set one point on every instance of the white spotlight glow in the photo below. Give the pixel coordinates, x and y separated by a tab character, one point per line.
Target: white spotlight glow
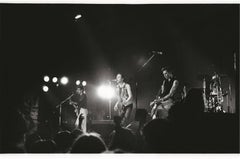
64	80
45	88
54	79
78	82
78	16
84	83
46	78
105	92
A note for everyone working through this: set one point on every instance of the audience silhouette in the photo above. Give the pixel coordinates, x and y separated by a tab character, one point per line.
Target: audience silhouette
186	130
88	143
122	138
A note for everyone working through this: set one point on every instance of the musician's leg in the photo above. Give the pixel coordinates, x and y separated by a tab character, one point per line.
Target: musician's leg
122	115
126	116
76	124
84	113
121	112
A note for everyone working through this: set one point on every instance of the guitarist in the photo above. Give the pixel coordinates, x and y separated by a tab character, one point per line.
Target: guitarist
79	102
167	96
124	104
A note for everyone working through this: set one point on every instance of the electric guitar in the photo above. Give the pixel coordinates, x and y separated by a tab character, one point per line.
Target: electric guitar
120	105
158	103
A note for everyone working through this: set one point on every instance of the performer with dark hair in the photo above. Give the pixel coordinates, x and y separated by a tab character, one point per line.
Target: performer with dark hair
124	103
169	93
79	101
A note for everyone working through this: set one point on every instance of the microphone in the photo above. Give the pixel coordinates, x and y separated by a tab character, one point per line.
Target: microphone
112	80
157	52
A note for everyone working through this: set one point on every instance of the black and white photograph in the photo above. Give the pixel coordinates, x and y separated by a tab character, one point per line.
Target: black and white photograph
119	78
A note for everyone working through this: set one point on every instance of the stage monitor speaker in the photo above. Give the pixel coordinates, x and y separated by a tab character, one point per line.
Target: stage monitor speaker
141	115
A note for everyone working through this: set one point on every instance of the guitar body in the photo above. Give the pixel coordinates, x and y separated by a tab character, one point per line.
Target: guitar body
119	107
162	106
77	112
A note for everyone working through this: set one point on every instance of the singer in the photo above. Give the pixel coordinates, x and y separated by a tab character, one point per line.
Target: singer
124	104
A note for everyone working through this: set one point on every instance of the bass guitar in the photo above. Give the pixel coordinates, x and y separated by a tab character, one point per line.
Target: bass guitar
158	103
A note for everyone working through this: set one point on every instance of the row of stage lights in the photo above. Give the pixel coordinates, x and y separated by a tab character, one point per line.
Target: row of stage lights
63	81
104	91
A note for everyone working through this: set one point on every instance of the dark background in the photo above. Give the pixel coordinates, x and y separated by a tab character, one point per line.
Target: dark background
43	40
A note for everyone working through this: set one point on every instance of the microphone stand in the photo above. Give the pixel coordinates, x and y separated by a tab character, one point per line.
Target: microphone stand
136	80
110	103
60	110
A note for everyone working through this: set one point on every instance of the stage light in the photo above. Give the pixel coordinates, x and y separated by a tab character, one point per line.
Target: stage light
46	78
45	88
105	92
78	82
64	80
54	79
84	83
78	16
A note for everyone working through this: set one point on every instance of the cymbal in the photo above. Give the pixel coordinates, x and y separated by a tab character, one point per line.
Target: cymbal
223	75
217	76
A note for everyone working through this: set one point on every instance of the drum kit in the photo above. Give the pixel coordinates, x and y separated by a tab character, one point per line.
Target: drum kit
213	94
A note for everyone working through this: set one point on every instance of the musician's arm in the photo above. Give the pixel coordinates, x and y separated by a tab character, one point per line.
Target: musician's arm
172	91
160	91
129	93
118	99
71	102
159	94
162	88
116	106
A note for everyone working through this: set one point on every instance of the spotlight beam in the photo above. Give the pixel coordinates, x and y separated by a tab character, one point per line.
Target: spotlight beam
105	92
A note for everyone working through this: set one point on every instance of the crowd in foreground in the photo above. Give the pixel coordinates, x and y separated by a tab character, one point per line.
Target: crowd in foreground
187	130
